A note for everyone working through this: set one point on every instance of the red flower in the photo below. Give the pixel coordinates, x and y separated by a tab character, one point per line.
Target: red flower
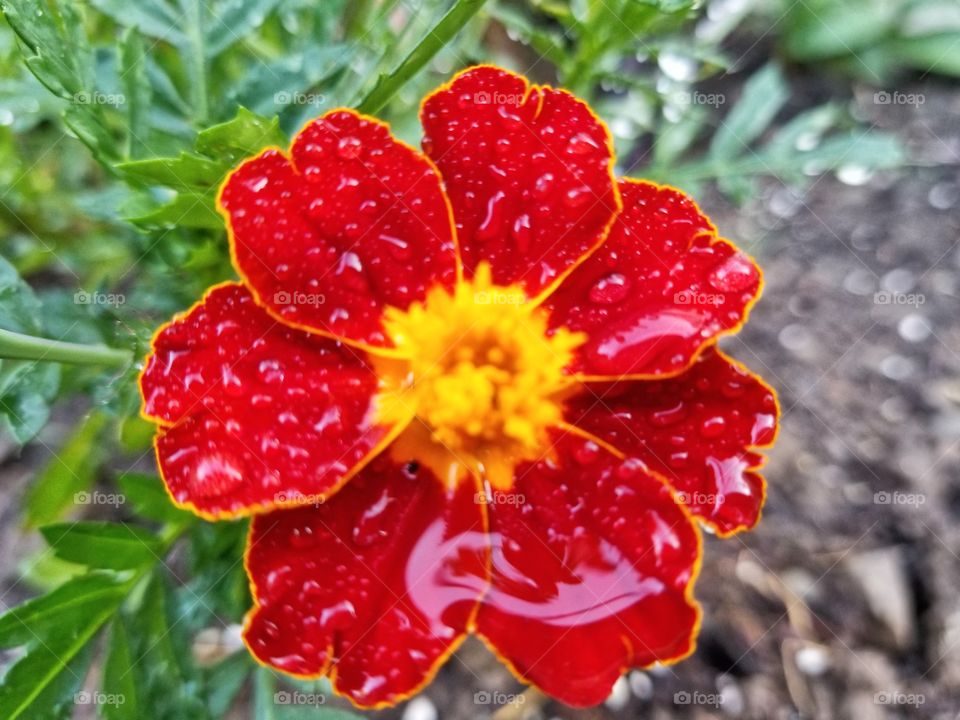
471	390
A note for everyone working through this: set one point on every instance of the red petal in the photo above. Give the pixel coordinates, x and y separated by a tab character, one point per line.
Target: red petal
593	565
375	588
699	430
254	414
352	222
661	288
528	170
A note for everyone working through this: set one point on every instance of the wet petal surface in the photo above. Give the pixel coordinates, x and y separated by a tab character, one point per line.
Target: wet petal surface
592	560
699	430
660	288
352	222
253	413
527	170
374	588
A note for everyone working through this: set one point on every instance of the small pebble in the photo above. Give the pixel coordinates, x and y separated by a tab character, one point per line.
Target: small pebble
420	708
914	328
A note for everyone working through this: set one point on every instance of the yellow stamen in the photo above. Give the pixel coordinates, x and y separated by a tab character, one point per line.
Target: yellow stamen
483	378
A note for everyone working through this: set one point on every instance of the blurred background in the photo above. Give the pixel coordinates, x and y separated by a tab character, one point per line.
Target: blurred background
820	135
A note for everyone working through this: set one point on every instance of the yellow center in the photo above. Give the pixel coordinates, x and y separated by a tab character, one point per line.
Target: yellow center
481	376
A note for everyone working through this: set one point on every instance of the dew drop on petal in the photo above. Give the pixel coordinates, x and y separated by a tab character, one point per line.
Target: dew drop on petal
587	453
713	427
733	274
349	148
609	290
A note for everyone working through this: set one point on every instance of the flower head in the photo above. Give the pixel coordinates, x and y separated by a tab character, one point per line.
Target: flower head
474	389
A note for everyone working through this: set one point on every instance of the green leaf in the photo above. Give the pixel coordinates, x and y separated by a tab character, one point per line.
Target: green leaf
434	41
155	18
149	498
234	20
188	171
118	681
44	683
244	135
26	387
186	210
103	545
136	90
64	481
62	608
166	676
764	94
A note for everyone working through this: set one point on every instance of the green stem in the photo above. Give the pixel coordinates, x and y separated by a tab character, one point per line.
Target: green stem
435	39
28	347
197	61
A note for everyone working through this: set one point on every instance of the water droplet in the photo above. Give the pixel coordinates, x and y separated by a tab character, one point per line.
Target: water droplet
581	144
349	148
492	222
370	527
713	427
543	185
577	197
609	290
521	232
587	453
399	249
669	416
733	274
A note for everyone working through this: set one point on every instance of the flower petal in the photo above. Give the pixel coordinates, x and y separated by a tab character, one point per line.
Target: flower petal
528	170
375	588
658	291
255	414
351	222
593	566
698	430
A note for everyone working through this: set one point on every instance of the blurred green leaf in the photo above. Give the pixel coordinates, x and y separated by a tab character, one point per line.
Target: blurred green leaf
118	681
55	612
103	545
764	94
71	471
26	387
150	499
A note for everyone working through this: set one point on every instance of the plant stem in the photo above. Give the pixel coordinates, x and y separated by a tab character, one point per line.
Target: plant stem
435	39
28	347
197	65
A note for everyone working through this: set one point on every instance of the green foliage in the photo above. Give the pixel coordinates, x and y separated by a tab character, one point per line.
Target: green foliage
26	386
876	40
